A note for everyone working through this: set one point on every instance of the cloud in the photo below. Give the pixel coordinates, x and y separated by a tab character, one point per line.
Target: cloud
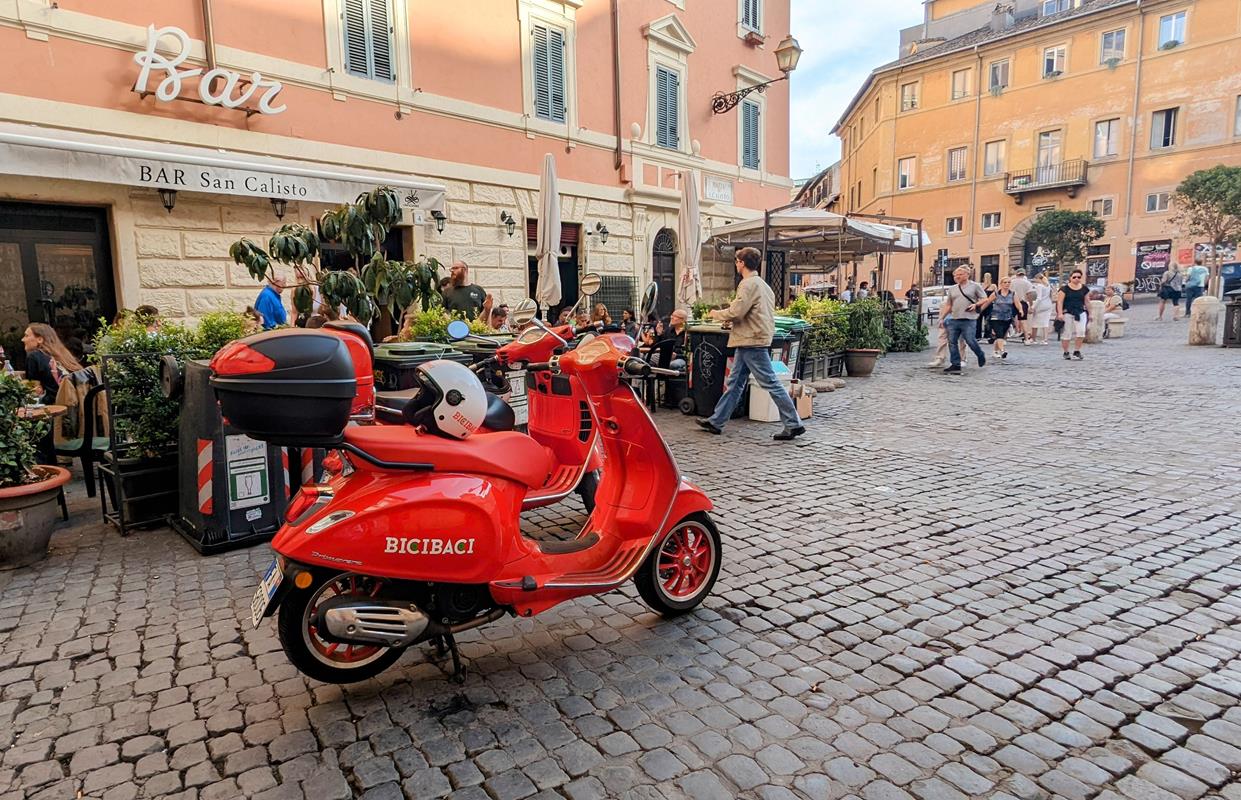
843	41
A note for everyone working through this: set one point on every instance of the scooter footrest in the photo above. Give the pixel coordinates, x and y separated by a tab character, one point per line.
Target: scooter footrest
617	570
558	548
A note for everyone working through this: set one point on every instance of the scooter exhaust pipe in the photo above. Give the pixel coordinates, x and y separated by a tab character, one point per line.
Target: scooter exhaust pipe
388	623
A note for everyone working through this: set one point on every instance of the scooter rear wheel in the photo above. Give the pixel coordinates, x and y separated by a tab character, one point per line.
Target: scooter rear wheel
318	658
681	570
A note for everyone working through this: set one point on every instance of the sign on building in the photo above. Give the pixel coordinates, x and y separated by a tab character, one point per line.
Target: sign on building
217	87
1153	260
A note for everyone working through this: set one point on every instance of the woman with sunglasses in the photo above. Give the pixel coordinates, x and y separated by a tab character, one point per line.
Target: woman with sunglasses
1073	308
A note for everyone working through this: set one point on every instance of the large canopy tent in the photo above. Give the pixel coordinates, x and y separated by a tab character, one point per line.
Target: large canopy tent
813	238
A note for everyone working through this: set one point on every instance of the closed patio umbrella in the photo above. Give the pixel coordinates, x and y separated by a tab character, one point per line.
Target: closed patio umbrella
547	245
689	230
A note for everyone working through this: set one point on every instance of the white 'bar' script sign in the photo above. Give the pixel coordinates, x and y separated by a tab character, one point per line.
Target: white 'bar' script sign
225	95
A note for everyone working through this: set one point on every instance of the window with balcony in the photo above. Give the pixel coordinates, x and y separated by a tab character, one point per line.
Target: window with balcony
667	108
991	221
993	157
1049	7
960	84
956	163
1171	30
909	96
548	52
997	73
1106	138
368	34
751	134
1157	202
752	15
1053	61
1112	47
954	225
905	172
1163	129
1102	207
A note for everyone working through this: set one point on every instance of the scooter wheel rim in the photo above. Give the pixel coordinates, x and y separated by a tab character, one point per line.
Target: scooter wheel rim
335	654
686	560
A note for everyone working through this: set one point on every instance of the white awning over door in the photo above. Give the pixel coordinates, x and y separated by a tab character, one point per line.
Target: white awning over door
50	153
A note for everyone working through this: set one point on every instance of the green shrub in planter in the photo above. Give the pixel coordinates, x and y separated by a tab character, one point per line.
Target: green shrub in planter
432	326
19	436
907	335
866	331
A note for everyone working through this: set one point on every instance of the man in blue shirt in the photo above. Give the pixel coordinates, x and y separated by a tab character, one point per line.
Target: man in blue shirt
268	304
1195	285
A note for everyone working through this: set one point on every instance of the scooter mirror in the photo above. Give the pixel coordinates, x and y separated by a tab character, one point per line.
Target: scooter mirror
458	330
649	299
590	283
524	311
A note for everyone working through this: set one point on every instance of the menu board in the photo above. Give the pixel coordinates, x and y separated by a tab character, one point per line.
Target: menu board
1153	260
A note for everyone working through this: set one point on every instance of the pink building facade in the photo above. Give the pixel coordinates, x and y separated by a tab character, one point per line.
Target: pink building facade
310	101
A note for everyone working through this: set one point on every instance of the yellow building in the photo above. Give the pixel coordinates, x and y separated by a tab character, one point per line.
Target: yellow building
994	113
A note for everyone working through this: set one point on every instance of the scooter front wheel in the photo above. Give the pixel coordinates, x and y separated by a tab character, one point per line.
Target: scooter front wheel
681	570
317	657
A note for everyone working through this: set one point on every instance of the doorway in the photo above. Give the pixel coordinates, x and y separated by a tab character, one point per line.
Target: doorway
663	271
1048	156
57	268
567	263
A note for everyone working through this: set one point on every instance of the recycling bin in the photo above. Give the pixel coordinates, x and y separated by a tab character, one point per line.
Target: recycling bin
395	362
709	366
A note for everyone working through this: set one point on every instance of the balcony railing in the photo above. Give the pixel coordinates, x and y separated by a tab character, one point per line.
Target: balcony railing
1066	174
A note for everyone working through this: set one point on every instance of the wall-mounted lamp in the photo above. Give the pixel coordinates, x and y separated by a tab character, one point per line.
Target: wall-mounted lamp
601	230
787	56
507	220
169	198
278	204
439	217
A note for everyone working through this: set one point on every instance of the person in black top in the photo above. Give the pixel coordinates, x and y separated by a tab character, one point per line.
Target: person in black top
1072	308
47	360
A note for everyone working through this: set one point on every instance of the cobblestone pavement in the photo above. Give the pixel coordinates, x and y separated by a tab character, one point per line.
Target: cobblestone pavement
1019	583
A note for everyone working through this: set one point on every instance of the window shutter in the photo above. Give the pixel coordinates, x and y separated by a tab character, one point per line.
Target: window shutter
665	108
381	41
555	73
542	92
749	135
354	18
749	14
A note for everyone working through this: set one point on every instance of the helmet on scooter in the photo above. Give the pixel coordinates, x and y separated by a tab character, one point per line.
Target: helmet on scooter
451	401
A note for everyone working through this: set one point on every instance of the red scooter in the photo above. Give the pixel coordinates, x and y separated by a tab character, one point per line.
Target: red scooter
418	537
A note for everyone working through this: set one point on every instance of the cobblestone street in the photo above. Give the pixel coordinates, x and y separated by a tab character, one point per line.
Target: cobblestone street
1024	582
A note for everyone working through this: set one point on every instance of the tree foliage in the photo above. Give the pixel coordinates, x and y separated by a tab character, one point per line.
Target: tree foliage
373	283
1207	205
1065	235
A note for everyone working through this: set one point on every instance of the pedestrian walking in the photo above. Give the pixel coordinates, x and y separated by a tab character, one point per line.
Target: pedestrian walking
965	301
1170	284
752	316
983	327
1003	310
1023	288
1038	321
1195	285
1071	306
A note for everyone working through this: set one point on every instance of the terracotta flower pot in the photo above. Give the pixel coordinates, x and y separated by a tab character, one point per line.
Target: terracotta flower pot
27	516
860	363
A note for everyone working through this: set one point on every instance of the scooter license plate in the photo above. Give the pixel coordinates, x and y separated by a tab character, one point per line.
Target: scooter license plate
266	591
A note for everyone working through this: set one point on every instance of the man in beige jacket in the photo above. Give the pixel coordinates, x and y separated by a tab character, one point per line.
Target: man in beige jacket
752	316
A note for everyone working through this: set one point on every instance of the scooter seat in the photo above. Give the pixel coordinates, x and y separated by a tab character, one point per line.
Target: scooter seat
501	454
390	405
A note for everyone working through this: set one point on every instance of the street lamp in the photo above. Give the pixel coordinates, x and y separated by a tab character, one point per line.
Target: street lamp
507	220
787	56
169	198
602	231
439	218
278	205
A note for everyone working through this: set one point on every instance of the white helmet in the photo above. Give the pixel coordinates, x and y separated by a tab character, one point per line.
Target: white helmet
452	401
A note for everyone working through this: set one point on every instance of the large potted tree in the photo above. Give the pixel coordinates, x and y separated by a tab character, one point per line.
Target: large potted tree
866	338
28	490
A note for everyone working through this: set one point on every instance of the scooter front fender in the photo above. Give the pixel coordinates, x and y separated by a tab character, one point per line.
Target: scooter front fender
689	500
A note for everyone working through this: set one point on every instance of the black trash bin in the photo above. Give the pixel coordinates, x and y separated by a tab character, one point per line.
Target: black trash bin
709	364
395	362
1232	319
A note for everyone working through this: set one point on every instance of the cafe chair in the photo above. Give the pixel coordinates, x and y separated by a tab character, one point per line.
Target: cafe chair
89	447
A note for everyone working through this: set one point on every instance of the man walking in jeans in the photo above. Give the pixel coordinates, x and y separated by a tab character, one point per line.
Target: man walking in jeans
964	302
752	316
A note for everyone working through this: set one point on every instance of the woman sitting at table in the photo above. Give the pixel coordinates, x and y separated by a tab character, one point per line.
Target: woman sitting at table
47	360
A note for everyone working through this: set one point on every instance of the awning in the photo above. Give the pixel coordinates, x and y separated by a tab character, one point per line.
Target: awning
51	153
818	236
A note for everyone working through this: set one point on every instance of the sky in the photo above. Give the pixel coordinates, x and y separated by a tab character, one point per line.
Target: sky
842	40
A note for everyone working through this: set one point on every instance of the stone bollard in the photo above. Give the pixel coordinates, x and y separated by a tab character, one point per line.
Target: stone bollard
1204	320
1116	328
1094	328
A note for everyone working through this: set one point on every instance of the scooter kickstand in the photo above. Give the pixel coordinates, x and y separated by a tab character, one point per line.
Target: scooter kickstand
458	672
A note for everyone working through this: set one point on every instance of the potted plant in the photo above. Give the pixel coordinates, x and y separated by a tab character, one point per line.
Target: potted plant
28	491
866	339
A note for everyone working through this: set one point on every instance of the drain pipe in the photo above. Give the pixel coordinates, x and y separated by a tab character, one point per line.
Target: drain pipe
975	156
618	153
208	35
1133	120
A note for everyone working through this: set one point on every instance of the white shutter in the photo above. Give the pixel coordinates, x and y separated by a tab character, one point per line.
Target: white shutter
354	18
381	41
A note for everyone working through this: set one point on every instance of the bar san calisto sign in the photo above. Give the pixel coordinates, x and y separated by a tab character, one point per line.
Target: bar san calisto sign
217	87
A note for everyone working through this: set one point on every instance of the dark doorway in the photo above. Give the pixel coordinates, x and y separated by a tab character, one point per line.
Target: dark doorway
663	271
56	264
568	280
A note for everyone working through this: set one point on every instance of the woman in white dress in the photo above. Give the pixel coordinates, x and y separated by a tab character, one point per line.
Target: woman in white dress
1040	311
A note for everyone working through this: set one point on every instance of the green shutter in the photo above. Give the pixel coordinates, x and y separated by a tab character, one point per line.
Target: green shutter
381	41
354	18
750	133
548	74
667	90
